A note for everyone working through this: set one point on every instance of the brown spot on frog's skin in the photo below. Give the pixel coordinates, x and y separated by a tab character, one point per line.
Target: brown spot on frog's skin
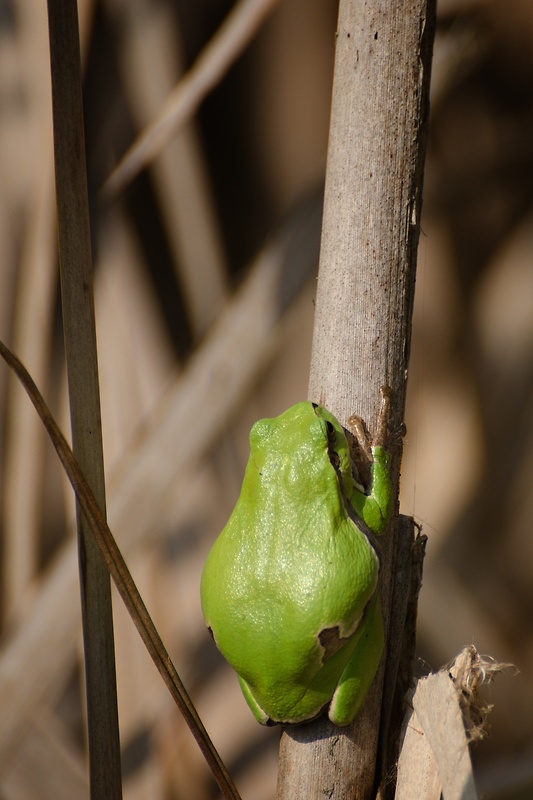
331	641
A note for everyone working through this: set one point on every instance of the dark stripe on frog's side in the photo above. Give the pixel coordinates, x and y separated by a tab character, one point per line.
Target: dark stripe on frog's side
335	463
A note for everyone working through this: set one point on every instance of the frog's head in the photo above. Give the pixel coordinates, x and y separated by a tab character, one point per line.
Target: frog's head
305	434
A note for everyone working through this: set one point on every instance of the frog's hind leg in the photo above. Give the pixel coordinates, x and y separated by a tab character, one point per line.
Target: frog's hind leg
256	709
359	672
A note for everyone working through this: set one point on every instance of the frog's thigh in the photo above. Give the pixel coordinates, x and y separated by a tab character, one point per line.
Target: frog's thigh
257	711
360	669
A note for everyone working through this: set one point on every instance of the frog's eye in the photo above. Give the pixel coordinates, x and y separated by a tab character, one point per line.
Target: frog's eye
331	433
332	441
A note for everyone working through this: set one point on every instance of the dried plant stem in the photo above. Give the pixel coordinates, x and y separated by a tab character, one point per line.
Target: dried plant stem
364	302
75	259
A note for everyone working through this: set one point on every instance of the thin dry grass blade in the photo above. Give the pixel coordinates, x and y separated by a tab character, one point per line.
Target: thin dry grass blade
127	588
218	55
80	344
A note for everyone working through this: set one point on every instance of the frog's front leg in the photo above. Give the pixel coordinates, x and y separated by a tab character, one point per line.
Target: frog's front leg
375	507
360	670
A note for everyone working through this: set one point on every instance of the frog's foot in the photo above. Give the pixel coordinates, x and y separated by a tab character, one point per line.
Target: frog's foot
362	438
364	451
256	709
381	437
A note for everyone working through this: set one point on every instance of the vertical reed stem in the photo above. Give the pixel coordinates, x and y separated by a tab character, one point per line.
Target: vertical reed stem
80	346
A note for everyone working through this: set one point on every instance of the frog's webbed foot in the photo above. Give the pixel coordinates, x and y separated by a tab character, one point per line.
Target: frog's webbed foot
362	444
362	438
381	437
384	437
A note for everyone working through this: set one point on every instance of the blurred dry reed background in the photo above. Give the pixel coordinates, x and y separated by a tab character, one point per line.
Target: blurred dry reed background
205	275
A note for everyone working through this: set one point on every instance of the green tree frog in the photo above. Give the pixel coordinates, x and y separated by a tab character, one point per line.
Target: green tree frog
290	587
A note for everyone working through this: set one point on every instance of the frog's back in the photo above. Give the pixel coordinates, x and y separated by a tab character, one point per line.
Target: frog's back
267	610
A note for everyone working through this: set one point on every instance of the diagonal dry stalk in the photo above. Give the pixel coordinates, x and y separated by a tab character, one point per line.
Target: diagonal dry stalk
116	566
218	55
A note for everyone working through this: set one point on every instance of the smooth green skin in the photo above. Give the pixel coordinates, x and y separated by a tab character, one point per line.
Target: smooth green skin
291	563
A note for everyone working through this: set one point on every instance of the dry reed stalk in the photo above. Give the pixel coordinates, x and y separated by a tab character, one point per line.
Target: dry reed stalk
364	303
76	271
